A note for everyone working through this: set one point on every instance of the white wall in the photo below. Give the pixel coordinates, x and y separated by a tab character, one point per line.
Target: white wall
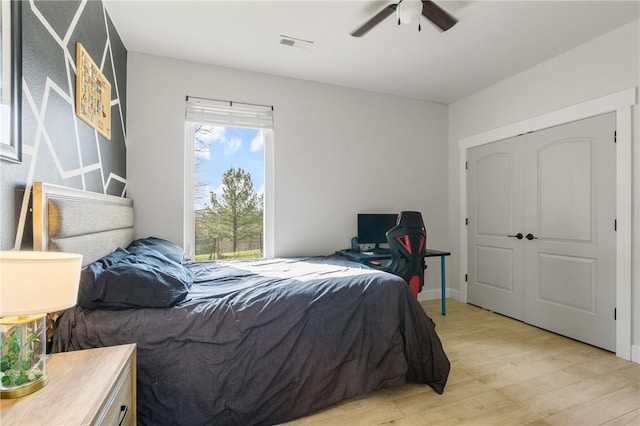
337	152
602	66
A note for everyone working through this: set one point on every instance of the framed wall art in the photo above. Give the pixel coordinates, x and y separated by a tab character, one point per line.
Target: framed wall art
93	93
11	77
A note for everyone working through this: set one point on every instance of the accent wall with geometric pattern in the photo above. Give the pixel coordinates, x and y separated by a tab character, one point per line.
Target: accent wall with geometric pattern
57	146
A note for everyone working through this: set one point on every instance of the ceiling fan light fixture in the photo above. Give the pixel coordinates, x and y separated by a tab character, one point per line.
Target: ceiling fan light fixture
409	11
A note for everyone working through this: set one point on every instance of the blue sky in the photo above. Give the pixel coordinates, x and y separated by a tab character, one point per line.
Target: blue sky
227	147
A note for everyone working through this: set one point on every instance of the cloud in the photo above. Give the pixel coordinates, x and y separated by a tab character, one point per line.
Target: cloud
205	136
233	145
209	135
216	133
258	142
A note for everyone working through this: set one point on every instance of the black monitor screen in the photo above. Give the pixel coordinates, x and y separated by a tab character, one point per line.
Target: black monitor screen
372	227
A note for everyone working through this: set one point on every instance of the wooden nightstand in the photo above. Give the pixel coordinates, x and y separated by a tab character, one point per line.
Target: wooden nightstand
89	387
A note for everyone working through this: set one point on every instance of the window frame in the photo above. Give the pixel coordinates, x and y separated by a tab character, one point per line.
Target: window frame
189	189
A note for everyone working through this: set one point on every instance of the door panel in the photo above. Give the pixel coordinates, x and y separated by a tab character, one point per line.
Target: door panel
564	191
496	195
556	186
567	281
495	267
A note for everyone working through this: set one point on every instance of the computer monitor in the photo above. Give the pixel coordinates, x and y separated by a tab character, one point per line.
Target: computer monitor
373	227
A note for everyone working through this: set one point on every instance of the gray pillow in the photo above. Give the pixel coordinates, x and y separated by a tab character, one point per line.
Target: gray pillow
143	278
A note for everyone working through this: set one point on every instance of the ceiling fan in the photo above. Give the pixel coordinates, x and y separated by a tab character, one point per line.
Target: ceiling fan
409	11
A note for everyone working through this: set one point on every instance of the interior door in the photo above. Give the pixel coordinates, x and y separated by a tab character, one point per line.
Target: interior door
541	232
496	217
570	262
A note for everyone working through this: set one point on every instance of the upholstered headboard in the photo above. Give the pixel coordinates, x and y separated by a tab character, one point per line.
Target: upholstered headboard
76	221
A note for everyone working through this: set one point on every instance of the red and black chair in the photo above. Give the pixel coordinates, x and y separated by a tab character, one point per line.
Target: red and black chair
407	243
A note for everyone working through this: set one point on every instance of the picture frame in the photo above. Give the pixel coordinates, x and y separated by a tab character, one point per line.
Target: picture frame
11	80
93	93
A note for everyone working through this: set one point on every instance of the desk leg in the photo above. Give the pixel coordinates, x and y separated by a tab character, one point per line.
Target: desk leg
443	283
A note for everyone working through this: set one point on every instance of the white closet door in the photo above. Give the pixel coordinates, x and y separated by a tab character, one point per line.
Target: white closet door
556	186
496	215
570	270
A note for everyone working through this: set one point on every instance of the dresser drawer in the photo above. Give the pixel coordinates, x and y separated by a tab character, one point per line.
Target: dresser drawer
87	387
120	407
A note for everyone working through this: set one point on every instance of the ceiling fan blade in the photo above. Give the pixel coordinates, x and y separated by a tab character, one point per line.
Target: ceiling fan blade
379	17
437	15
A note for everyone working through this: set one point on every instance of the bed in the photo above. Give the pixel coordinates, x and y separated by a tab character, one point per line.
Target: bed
258	341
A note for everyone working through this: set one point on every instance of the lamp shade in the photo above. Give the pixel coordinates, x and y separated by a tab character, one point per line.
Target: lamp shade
38	282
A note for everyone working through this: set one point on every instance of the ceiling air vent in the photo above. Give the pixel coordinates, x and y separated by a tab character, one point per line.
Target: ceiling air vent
295	42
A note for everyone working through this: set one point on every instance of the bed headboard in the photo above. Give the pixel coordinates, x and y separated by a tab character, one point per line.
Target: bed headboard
77	221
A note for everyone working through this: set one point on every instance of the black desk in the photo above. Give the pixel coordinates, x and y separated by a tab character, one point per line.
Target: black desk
365	256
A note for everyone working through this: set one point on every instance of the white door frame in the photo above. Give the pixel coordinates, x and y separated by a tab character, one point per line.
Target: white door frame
620	103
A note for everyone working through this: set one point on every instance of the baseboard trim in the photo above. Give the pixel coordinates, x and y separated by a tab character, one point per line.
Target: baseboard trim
455	294
435	294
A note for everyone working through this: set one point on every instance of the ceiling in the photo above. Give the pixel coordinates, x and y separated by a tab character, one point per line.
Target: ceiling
492	40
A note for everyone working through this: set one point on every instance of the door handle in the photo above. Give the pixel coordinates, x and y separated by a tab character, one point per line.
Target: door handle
531	237
518	235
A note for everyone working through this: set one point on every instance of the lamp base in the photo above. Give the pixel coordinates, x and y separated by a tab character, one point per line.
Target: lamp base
22	355
24	390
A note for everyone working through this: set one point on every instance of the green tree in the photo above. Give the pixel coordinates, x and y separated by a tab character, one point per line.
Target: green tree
239	212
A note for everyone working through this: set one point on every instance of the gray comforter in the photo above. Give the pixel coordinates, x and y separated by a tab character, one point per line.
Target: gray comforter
266	341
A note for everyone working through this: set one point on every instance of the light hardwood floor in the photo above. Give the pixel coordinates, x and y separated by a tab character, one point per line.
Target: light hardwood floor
503	372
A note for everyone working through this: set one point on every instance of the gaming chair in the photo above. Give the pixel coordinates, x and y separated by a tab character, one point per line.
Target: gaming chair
407	243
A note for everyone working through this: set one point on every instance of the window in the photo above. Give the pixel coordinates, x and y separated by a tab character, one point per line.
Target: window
228	183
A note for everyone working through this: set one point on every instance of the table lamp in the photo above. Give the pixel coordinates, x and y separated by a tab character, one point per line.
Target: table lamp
32	284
